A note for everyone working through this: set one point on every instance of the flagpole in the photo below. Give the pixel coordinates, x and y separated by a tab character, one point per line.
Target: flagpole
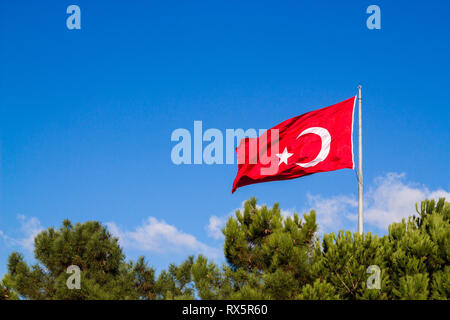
360	168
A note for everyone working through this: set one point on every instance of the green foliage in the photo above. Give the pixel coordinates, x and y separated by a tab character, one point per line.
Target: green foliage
275	252
440	285
260	239
412	253
413	287
344	260
143	279
209	280
319	290
104	273
419	251
272	257
268	257
6	290
175	284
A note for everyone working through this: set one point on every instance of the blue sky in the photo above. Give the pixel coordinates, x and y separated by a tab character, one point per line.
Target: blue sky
86	115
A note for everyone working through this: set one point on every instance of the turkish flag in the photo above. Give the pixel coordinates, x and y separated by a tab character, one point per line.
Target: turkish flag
316	141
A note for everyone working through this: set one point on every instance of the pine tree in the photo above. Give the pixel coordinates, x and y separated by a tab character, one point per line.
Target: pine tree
343	260
6	291
275	257
268	255
176	283
420	253
104	272
319	290
413	258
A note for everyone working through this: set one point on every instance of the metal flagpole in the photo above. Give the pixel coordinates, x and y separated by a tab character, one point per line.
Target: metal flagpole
360	169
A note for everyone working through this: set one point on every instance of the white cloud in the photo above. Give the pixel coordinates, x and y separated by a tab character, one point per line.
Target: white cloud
3	235
29	228
388	200
153	235
331	211
157	236
216	225
391	199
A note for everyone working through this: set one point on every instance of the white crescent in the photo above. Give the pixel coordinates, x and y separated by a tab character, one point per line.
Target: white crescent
324	151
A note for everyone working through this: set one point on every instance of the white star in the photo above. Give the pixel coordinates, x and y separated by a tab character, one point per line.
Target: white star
284	156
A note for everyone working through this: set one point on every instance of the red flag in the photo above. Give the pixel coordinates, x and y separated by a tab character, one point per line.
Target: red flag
316	141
